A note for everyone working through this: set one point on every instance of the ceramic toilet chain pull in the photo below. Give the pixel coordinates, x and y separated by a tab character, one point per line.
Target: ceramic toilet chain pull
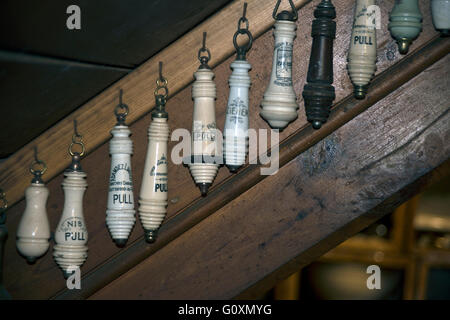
4	295
363	48
279	105
405	23
71	236
120	210
154	188
440	11
236	120
33	233
319	93
203	163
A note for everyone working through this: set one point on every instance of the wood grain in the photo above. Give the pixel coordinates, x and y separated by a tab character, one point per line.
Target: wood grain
337	187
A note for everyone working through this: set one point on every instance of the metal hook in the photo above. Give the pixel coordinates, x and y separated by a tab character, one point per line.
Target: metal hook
161	83
75	141
121	115
286	14
242	50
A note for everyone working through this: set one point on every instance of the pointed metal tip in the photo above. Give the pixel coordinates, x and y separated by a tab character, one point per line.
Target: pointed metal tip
150	235
317	124
120	242
204	188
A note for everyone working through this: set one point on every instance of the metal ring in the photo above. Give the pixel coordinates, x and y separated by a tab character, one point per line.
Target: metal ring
82	148
164	82
162	87
38	162
121	106
204	50
74	138
250	39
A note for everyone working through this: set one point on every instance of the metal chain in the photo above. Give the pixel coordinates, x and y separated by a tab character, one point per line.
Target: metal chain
294	10
76	139
242	50
121	106
204	59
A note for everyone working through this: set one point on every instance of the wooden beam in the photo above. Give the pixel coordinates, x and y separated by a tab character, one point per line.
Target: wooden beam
96	117
326	194
234	186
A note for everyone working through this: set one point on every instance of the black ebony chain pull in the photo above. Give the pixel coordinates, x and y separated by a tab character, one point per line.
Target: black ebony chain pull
318	93
4	295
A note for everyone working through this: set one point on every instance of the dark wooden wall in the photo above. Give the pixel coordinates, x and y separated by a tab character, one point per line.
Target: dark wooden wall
288	213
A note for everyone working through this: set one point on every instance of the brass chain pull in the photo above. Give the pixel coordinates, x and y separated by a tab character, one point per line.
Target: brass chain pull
242	50
285	15
121	116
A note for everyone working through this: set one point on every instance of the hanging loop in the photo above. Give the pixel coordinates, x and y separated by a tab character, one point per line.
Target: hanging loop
161	84
285	15
77	139
121	106
242	50
37	163
204	59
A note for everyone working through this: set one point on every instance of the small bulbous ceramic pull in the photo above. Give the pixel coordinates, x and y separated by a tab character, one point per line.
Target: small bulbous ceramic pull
405	23
71	236
363	47
154	188
204	162
318	93
279	105
33	233
120	210
236	119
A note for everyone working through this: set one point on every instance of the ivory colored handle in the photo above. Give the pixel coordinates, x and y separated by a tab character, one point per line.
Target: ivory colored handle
279	105
120	212
154	188
204	130
363	49
71	233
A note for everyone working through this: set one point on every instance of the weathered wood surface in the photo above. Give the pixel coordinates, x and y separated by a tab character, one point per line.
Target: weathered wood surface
340	185
105	261
95	117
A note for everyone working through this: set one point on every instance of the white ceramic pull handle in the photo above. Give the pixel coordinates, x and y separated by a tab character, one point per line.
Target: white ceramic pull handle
71	233
120	212
204	135
236	120
33	233
363	48
279	105
154	188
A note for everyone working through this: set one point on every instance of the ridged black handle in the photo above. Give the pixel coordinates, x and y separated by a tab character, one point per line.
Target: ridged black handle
318	92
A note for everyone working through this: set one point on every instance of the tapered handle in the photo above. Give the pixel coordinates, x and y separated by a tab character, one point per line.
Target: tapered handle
318	93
